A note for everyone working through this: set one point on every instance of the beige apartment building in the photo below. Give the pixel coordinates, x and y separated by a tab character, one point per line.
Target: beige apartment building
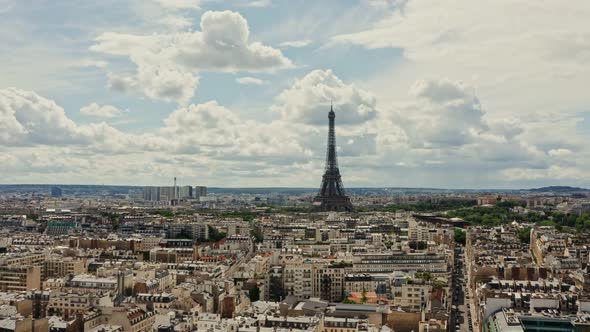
19	278
62	266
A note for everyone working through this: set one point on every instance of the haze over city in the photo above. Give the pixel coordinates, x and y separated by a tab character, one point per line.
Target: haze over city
445	94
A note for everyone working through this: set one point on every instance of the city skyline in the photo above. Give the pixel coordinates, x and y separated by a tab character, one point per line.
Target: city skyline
234	93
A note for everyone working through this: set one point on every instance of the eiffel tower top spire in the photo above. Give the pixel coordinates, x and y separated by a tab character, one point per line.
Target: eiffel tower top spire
332	196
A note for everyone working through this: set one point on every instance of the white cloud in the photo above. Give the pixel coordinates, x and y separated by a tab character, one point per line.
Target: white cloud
212	130
176	22
560	153
122	83
167	64
250	80
104	111
295	43
308	100
444	114
439	136
492	47
256	3
166	82
28	119
157	82
179	4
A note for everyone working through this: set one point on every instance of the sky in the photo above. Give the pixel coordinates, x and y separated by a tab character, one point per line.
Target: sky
236	93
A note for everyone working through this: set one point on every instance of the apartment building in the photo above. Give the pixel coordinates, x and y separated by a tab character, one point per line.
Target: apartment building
412	295
328	281
20	278
67	305
400	261
58	267
380	284
298	279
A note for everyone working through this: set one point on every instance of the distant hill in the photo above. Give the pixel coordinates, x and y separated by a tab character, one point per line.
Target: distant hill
560	189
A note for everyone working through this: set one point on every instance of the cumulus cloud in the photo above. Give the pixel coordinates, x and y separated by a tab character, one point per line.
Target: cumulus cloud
524	125
104	111
176	22
309	99
157	82
220	133
168	64
444	117
215	124
250	80
440	132
166	82
122	83
27	118
444	114
495	52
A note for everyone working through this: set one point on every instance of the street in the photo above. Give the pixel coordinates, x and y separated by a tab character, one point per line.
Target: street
460	318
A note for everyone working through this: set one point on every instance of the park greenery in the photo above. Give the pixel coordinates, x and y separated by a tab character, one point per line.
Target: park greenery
488	216
426	206
504	213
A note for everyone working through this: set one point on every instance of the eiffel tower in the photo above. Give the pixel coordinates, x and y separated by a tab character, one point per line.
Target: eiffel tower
332	196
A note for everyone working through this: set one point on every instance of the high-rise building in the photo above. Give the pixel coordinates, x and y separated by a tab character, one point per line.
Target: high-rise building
151	194
185	192
168	193
332	196
161	194
200	191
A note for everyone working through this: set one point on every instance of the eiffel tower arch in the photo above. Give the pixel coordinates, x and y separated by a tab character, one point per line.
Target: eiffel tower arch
332	196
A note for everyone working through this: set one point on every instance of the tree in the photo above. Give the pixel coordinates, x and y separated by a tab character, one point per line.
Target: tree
427	276
254	294
348	301
547	223
165	213
364	296
524	235
214	234
439	284
460	236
